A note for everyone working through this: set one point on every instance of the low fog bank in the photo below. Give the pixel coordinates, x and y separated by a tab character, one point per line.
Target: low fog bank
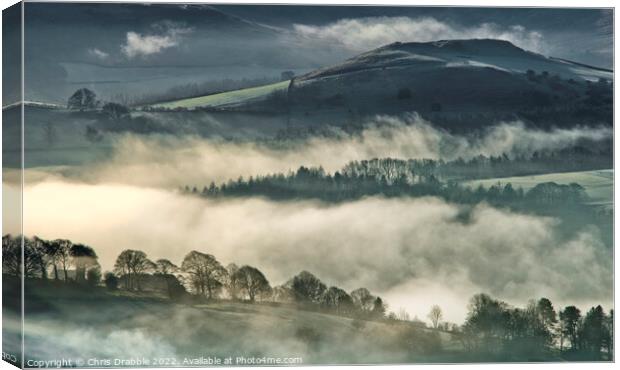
415	252
171	161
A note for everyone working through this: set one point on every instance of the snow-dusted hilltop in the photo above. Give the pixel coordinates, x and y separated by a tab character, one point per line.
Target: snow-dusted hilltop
476	53
456	77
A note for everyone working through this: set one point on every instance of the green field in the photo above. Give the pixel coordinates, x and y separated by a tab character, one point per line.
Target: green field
225	98
599	184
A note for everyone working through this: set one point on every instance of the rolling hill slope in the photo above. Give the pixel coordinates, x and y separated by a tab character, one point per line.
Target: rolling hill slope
226	99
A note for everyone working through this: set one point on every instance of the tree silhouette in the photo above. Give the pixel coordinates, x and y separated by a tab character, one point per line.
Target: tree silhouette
337	300
307	288
130	264
82	99
82	258
39	246
593	331
363	300
167	270
93	276
115	111
11	255
232	281
63	255
435	315
206	273
252	282
379	308
110	280
569	323
54	254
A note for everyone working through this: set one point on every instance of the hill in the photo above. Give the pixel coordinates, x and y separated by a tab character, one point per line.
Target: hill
457	84
136	325
456	78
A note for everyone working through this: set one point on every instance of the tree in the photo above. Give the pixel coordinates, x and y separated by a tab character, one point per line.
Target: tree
569	323
62	254
130	264
32	256
252	282
593	331
54	252
608	340
206	274
164	266
403	315
166	269
435	315
379	308
11	255
110	280
82	99
546	314
337	300
307	288
363	300
115	111
232	282
39	247
487	320
93	276
83	257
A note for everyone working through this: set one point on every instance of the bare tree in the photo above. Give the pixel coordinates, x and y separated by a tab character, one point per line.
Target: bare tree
435	315
63	254
164	266
403	315
232	282
166	270
338	300
363	300
206	274
11	255
131	264
252	281
39	247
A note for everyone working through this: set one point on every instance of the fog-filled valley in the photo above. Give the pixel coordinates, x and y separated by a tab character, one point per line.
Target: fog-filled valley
364	185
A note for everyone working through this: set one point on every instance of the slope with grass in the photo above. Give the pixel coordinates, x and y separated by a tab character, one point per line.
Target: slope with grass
73	321
598	184
226	99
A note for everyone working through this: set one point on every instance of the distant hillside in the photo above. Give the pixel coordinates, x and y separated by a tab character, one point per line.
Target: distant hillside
455	78
475	53
457	84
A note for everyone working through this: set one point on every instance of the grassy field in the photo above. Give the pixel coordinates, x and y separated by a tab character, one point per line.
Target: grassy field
225	98
598	184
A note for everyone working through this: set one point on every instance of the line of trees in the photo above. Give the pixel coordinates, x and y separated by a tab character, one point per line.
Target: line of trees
202	275
60	258
492	327
537	331
391	178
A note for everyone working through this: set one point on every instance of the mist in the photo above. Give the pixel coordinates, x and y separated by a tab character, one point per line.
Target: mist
408	250
363	34
172	161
